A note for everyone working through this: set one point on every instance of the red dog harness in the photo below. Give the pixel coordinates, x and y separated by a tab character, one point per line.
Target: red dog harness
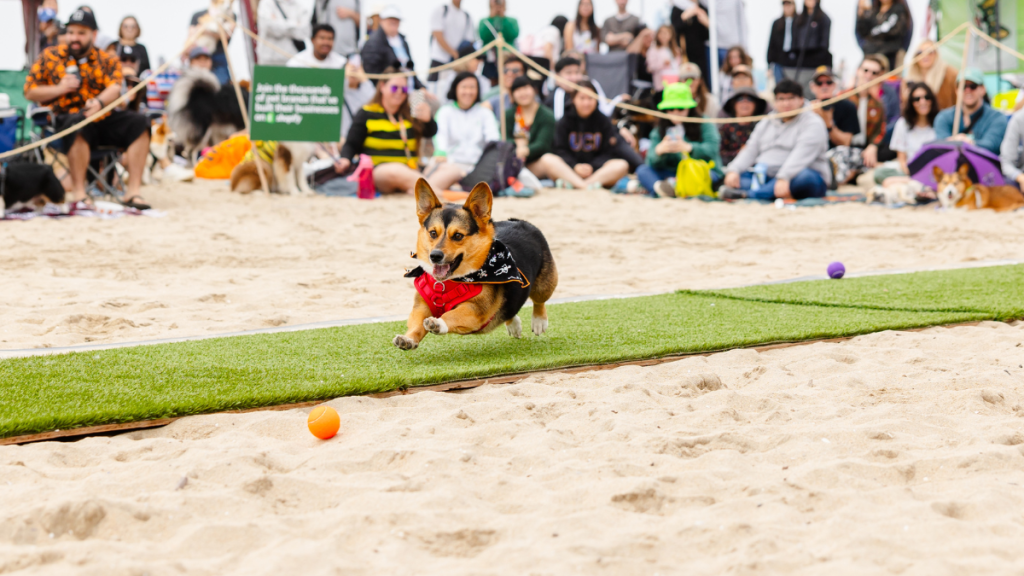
442	297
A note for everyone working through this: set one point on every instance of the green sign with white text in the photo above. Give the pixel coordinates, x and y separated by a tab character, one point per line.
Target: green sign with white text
296	104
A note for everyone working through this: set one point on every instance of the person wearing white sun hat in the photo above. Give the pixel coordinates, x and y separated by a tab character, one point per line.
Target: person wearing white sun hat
387	47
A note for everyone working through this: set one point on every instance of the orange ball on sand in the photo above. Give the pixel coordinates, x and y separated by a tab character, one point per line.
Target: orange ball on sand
324	422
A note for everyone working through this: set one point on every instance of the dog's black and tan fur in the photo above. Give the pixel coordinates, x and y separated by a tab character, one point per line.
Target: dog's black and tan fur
454	241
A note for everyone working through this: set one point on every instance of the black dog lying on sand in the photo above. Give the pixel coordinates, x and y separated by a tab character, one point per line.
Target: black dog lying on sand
24	184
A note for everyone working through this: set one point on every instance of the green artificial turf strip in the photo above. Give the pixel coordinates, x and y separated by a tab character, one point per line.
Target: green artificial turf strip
147	382
996	290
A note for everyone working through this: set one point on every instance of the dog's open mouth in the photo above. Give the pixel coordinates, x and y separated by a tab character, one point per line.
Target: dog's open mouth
441	270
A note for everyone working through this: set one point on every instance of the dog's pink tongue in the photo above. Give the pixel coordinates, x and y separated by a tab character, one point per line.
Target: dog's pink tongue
441	270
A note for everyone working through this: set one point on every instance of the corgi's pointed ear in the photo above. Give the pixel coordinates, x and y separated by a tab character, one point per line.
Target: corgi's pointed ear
426	200
938	174
965	171
479	202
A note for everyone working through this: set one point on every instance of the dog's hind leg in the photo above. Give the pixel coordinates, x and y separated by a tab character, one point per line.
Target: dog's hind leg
543	288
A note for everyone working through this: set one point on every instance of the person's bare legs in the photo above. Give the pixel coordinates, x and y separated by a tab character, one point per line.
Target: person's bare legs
395	177
553	167
445	175
78	161
135	162
609	174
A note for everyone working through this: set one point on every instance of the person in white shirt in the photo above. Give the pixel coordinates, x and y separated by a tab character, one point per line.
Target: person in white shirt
450	26
464	128
283	24
320	53
343	16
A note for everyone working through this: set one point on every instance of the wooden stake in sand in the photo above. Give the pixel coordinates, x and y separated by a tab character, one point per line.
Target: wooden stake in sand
958	112
244	107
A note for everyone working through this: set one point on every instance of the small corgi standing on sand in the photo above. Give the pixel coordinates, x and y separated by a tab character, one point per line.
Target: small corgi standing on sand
473	273
956	190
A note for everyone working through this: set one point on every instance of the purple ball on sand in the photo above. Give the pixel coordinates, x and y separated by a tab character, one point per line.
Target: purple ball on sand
836	270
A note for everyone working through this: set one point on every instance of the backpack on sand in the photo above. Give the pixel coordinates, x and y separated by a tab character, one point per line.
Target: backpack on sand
693	178
497	164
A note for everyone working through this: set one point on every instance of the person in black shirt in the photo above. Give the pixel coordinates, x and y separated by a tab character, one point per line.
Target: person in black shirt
128	36
840	118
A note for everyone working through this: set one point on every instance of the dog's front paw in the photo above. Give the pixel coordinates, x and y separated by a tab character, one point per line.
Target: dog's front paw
540	325
404	343
435	326
515	327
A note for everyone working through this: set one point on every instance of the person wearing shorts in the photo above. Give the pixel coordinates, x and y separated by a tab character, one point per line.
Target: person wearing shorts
74	96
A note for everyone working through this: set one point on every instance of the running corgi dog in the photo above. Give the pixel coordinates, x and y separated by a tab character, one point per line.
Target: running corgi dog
957	191
472	273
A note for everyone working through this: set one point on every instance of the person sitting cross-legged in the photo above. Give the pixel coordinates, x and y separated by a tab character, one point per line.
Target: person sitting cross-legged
791	151
74	96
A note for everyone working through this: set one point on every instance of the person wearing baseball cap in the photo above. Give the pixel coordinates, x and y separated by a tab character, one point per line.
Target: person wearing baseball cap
387	47
56	80
841	117
199	58
980	123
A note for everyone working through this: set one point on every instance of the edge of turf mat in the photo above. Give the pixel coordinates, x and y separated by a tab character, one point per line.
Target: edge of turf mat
155	382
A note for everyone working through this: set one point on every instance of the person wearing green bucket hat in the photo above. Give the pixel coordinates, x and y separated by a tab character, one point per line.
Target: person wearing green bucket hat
673	138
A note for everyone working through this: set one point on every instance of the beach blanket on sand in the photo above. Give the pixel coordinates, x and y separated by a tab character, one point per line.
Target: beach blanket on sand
100	209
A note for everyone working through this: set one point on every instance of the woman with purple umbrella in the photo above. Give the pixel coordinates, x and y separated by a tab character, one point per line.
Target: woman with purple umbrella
914	129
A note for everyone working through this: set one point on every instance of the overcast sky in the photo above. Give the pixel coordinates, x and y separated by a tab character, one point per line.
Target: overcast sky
165	23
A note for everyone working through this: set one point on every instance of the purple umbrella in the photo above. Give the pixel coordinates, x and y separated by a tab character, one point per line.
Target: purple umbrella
949	156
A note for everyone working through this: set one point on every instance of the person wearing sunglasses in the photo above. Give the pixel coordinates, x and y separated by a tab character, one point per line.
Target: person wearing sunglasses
861	153
792	150
980	123
914	129
514	68
840	117
388	131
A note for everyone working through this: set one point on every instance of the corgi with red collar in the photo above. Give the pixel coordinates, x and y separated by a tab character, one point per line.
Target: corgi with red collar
474	274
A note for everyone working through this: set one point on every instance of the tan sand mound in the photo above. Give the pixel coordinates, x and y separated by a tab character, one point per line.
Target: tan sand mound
219	262
894	452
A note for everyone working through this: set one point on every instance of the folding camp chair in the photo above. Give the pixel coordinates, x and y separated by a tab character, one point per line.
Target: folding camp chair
104	176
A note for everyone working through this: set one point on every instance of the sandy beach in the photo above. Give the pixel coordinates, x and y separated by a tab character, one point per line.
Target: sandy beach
891	453
218	262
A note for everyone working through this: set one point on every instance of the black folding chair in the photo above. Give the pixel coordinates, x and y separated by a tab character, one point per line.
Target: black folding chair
105	177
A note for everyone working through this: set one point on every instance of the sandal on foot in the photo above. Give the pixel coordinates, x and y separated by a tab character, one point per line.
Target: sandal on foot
134	202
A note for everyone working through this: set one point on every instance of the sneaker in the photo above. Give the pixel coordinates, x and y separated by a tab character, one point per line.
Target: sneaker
663	189
517	192
730	193
596	186
563	184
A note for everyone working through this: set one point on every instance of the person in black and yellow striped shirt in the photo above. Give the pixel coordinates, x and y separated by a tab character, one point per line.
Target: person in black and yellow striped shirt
388	132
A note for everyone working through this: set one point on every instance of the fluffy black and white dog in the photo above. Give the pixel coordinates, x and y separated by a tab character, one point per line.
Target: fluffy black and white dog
27	185
203	113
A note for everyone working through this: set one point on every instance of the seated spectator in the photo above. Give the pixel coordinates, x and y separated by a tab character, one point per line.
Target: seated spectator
707	106
914	129
284	26
387	48
840	117
980	123
464	127
663	59
514	68
571	69
530	125
130	72
744	103
933	71
200	59
584	154
389	132
320	53
128	33
498	23
50	84
790	152
358	92
620	30
741	77
862	153
673	138
1011	154
734	58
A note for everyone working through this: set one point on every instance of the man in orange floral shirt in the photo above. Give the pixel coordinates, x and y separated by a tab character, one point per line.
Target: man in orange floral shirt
74	95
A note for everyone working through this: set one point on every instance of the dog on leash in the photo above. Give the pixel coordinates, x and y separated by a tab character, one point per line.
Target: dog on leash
27	185
474	273
202	112
280	162
956	190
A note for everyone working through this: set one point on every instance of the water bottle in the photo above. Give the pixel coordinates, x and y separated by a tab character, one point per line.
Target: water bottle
760	177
